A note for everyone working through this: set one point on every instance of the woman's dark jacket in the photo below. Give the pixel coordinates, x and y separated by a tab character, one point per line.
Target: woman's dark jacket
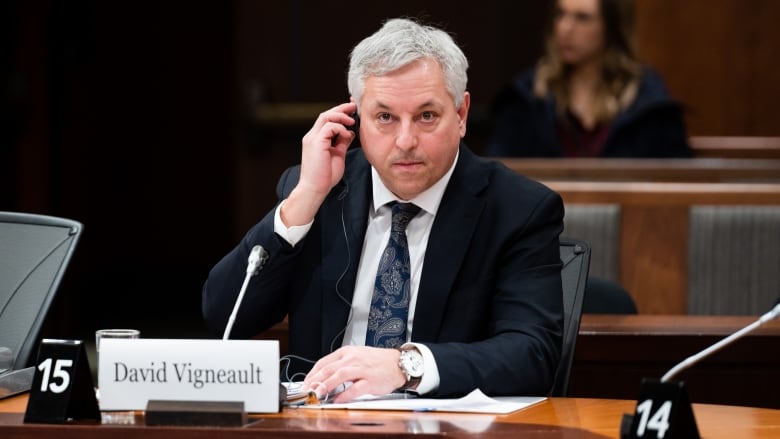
525	126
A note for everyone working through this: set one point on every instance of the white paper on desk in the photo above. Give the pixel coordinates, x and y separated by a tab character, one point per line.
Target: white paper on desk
474	402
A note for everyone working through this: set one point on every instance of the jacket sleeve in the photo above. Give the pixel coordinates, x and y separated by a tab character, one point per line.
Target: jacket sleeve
264	303
521	276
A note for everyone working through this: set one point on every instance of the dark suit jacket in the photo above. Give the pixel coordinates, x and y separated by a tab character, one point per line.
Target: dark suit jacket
489	304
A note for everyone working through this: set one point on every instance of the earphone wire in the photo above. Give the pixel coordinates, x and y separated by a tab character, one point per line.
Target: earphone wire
287	359
343	273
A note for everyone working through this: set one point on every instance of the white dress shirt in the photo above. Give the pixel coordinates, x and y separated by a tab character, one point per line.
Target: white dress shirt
377	235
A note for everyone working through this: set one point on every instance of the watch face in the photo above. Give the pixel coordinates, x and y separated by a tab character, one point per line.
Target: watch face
412	363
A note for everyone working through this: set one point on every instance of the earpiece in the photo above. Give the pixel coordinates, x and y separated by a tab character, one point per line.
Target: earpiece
356	127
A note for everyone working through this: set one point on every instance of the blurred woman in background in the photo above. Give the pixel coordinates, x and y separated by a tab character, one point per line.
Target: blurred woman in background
588	96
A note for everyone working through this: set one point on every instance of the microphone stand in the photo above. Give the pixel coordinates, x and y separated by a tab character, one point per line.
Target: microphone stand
257	258
693	359
663	405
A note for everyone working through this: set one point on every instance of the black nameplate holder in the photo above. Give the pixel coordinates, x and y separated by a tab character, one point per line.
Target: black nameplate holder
62	388
196	413
201	413
663	411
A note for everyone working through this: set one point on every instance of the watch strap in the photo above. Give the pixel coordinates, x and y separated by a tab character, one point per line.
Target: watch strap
411	384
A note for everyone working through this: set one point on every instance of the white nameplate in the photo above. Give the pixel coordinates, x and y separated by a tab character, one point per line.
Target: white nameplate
133	371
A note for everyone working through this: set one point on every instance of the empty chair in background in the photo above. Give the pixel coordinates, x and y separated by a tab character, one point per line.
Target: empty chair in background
603	296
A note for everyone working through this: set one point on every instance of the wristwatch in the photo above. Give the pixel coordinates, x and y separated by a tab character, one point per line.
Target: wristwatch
412	365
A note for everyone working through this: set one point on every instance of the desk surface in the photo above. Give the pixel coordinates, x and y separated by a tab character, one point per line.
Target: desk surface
555	417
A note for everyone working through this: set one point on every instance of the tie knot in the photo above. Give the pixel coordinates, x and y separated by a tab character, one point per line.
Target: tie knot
402	214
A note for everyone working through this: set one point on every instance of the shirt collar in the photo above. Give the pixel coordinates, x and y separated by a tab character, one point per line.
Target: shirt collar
428	200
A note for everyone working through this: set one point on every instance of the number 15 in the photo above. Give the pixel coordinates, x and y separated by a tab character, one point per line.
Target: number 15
59	373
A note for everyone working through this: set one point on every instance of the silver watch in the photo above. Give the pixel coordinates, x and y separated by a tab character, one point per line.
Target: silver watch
412	365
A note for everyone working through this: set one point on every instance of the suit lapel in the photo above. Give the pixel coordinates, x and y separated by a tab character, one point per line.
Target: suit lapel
457	216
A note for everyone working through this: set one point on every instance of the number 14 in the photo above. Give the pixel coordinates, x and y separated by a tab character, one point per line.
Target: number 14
659	421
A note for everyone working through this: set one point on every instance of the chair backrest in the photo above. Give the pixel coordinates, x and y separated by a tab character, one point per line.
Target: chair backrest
575	255
603	296
34	252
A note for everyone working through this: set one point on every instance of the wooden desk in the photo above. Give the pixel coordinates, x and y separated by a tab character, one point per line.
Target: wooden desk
724	170
614	353
555	418
735	146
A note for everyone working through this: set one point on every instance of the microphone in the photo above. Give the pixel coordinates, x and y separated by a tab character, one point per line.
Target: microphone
693	359
257	258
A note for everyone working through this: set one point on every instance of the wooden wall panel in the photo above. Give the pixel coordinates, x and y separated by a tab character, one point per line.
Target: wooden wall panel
720	58
654	257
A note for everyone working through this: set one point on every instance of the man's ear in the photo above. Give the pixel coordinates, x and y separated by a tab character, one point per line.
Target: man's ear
463	113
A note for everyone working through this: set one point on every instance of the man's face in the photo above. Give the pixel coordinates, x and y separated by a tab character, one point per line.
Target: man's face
409	127
579	31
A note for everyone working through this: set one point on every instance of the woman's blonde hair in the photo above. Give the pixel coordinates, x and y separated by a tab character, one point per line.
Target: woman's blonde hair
621	69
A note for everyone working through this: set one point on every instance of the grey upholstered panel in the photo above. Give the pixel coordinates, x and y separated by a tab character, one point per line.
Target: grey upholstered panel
34	253
599	225
733	259
25	277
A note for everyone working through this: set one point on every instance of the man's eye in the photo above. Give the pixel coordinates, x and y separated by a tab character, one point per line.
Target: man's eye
384	117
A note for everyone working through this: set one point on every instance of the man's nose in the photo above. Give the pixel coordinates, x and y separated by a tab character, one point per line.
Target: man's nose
406	137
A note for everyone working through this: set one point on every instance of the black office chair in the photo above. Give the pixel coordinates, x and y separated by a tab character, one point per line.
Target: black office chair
603	296
575	255
34	252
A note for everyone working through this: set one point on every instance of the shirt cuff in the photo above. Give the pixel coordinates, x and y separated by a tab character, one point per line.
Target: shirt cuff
292	235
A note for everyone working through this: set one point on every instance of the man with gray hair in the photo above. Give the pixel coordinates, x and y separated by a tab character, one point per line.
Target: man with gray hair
407	262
